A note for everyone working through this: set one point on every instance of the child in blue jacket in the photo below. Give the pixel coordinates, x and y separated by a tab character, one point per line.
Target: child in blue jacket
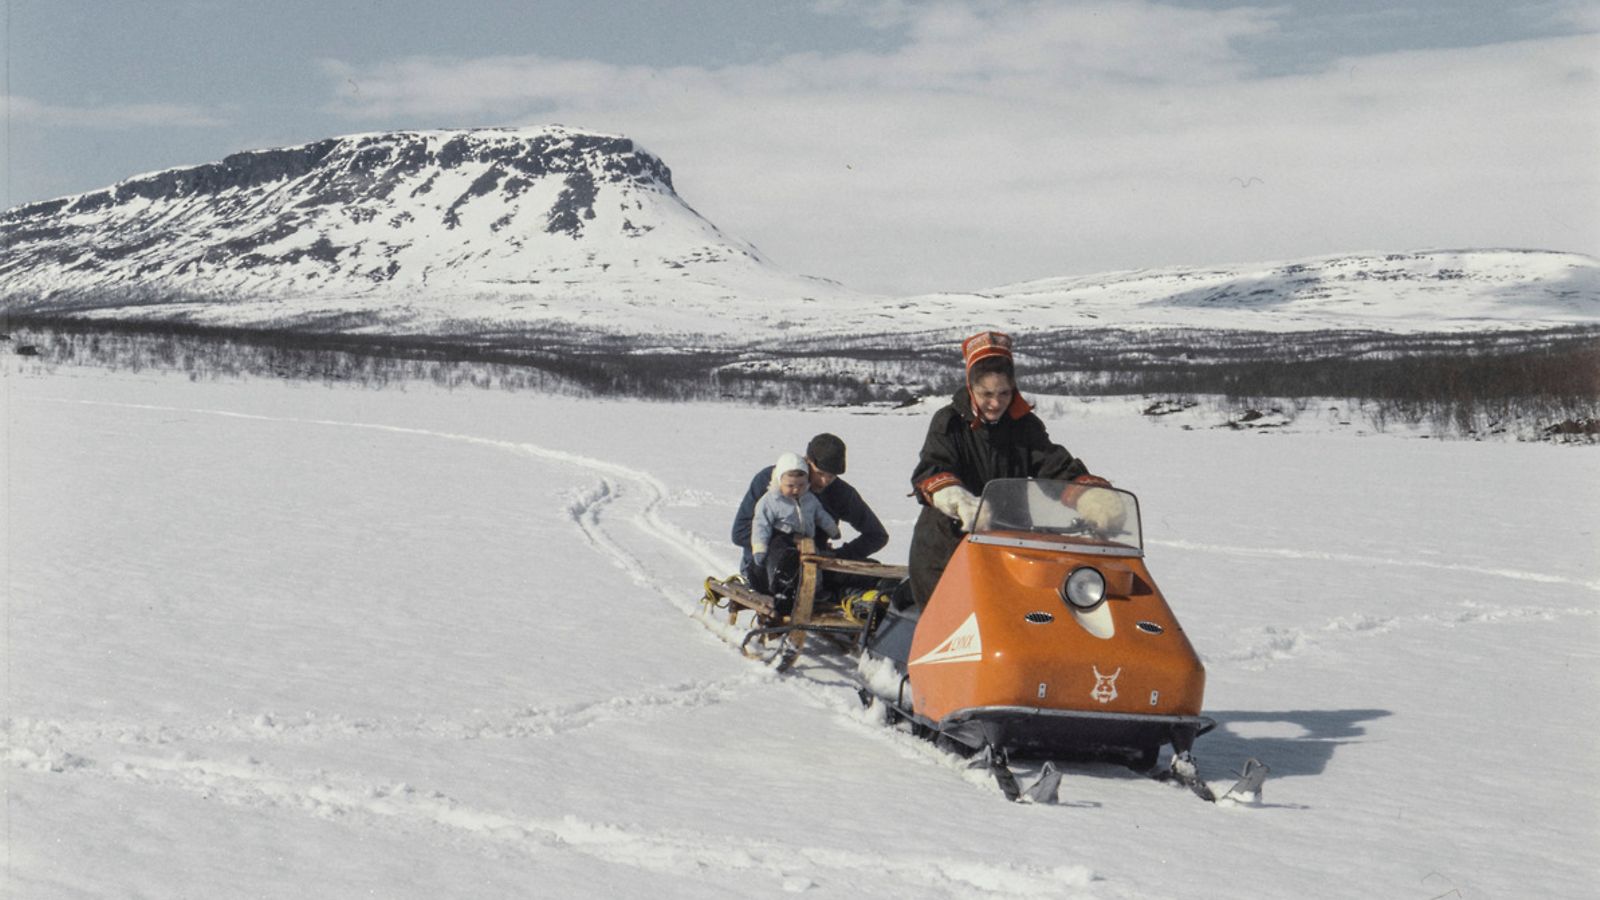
788	510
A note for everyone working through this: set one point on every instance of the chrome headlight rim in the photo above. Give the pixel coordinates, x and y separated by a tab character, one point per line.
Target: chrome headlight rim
1084	589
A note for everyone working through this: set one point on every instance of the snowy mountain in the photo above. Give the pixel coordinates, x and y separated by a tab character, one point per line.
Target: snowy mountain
1435	290
433	231
497	232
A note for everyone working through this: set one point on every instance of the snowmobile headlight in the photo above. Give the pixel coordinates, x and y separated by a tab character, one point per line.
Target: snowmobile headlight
1084	589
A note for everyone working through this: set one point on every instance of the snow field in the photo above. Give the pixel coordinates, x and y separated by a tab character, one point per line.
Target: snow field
268	639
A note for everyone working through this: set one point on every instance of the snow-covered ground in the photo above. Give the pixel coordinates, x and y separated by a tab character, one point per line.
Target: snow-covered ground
268	639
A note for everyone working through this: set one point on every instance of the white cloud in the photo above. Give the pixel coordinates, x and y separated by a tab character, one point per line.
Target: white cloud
1004	141
962	47
27	111
1581	15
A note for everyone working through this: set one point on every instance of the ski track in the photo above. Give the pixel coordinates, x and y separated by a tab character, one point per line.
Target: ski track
1271	645
41	738
1274	645
584	510
249	784
1406	561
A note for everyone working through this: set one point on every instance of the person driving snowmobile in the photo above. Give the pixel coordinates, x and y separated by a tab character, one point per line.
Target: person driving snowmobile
987	431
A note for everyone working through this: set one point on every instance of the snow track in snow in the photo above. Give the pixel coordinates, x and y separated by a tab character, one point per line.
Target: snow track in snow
248	783
1271	644
35	744
640	494
1359	559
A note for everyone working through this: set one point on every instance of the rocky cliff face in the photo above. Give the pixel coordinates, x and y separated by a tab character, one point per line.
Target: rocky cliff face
580	224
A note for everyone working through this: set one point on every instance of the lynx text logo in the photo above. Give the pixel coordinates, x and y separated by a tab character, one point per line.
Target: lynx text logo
965	644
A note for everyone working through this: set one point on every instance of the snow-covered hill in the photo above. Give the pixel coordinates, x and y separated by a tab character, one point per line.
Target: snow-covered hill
499	232
1434	290
414	231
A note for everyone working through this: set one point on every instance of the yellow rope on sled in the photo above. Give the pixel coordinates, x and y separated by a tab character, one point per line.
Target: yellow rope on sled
713	600
857	607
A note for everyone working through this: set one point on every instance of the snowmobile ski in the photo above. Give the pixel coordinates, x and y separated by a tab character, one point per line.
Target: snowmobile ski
1048	788
1044	789
1248	788
995	762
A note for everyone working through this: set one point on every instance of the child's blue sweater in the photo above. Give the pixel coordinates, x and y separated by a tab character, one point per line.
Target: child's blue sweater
801	516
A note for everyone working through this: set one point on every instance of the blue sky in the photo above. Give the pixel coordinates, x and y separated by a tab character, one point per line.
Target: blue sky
895	146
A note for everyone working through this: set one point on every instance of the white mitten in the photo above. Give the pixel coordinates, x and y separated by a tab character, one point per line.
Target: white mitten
1103	510
958	503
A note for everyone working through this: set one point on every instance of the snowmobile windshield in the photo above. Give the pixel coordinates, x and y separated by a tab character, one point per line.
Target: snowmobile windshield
1059	515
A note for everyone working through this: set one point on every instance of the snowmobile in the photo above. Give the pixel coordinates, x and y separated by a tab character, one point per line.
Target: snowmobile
1046	638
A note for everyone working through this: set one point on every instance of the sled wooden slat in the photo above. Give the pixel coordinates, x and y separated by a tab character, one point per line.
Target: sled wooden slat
855	566
805	617
743	596
805	595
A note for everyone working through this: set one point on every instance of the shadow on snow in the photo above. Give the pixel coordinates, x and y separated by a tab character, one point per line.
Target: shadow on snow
1295	742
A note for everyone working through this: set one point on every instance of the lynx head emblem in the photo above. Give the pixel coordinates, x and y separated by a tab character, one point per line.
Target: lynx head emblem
1105	686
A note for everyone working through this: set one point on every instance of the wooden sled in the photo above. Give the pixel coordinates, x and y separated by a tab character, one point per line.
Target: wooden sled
809	616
